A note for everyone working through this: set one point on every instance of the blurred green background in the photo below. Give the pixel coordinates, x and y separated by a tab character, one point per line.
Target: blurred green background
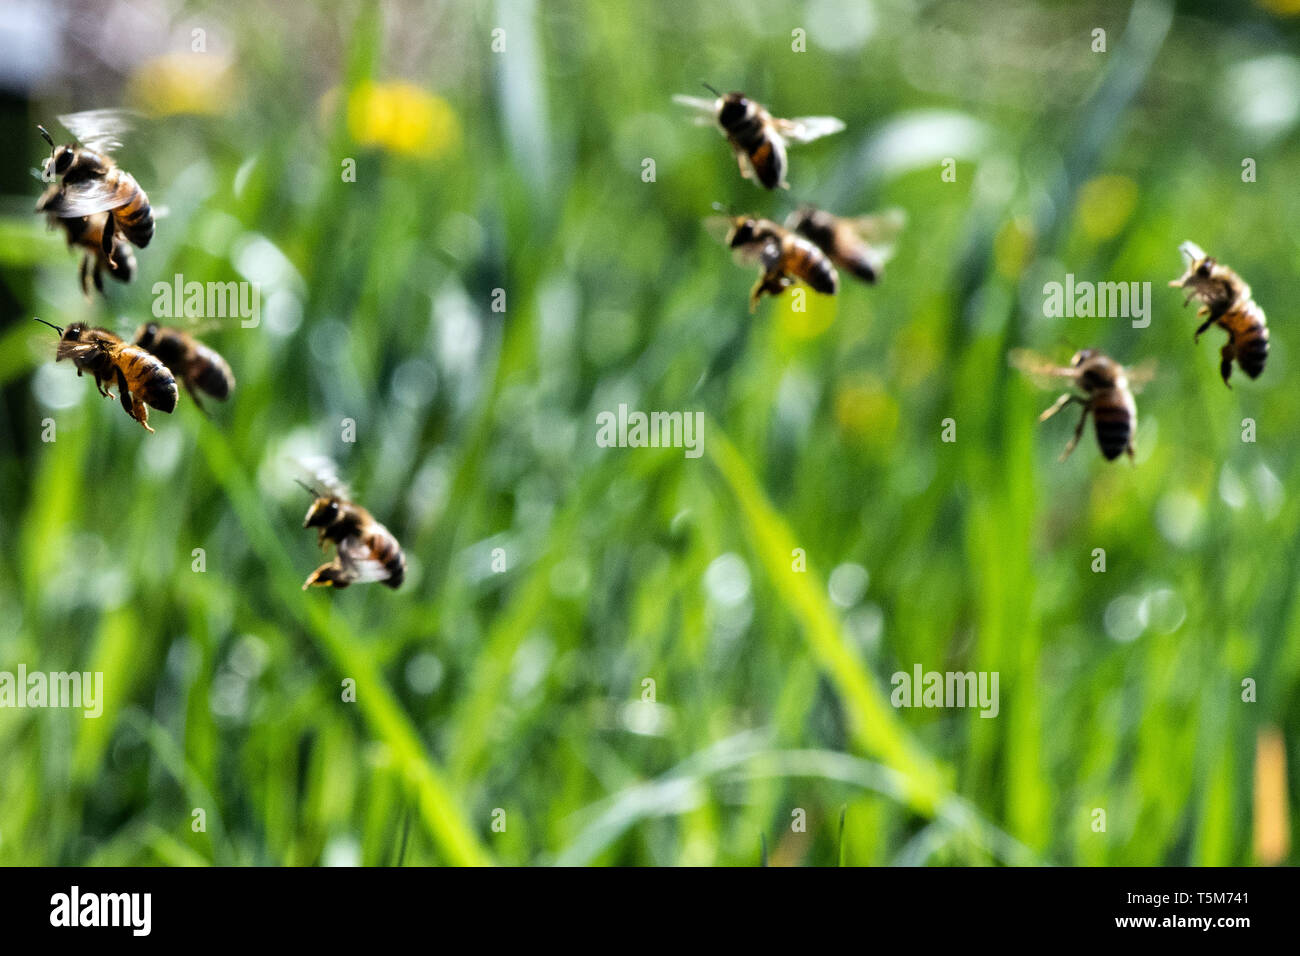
519	696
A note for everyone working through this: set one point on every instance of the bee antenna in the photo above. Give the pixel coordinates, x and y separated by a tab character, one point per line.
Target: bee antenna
51	325
309	489
706	86
45	133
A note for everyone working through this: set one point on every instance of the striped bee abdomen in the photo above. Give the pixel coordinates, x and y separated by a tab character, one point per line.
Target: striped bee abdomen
1114	425
1249	333
213	375
813	267
149	378
135	217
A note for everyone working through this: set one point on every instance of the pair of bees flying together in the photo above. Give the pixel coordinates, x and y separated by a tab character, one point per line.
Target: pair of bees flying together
1108	387
103	211
813	242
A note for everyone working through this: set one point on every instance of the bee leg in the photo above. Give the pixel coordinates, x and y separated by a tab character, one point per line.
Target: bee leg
327	575
85	276
135	407
107	242
195	396
1200	331
1225	365
1078	432
1056	406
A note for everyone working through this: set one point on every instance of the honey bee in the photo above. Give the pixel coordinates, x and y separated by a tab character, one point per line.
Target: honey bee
756	136
200	368
366	551
1108	393
141	379
859	245
87	233
85	181
1226	301
783	256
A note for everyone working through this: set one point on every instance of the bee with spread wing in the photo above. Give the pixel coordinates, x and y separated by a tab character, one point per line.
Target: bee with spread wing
1107	393
365	551
104	201
756	136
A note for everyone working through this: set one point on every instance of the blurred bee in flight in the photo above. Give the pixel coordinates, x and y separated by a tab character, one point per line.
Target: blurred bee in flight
1226	301
102	202
756	136
859	245
366	551
141	379
1107	393
200	368
783	256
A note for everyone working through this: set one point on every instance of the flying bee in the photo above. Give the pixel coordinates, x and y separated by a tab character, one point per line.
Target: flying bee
859	245
1226	301
1108	393
87	233
85	180
366	551
783	256
141	379
200	368
756	136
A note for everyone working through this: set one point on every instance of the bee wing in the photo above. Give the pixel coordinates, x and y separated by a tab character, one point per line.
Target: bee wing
100	130
324	475
707	109
75	350
718	227
358	563
1140	375
1042	371
83	199
880	230
805	129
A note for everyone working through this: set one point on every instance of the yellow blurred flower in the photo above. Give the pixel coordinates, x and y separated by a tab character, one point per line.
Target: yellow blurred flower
1105	205
814	317
199	84
865	409
403	119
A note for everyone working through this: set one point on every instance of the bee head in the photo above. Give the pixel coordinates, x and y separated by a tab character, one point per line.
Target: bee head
1096	371
322	513
60	157
147	336
734	108
1200	268
743	232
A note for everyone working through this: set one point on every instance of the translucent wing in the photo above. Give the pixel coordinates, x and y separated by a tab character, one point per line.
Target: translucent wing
1140	375
708	109
358	564
83	199
1042	371
77	351
805	129
100	130
719	227
324	476
880	230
